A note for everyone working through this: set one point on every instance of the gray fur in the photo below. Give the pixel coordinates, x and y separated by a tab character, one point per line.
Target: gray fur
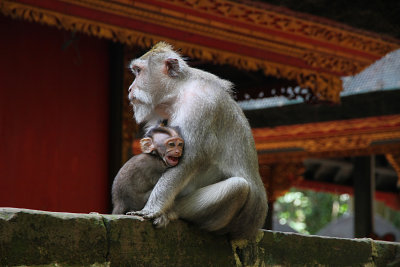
217	183
135	180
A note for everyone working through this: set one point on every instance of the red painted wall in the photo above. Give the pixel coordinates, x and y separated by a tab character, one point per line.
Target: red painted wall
54	117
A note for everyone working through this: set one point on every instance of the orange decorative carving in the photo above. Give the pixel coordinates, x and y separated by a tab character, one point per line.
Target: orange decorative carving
336	138
394	160
280	22
333	63
279	178
250	37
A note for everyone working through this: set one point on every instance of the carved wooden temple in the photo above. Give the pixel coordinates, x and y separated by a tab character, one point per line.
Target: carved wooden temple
267	51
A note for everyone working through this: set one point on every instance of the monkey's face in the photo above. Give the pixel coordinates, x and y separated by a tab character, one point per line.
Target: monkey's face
137	90
173	152
156	75
139	95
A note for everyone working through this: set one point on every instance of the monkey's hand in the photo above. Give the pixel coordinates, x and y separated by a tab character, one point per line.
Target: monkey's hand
159	221
146	213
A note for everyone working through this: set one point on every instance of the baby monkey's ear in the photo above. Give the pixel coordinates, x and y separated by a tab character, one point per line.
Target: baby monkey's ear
146	145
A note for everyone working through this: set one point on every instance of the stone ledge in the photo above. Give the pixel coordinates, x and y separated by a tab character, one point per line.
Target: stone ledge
39	238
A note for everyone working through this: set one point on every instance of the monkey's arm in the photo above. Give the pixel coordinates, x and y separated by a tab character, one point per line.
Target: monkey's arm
195	123
167	188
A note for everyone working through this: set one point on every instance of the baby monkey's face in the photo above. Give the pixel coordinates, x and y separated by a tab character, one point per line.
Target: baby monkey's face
173	152
166	144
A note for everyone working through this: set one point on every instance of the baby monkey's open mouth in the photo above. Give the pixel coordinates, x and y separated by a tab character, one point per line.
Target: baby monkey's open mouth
172	161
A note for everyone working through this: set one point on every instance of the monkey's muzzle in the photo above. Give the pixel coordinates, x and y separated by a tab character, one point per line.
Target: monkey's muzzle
172	161
131	98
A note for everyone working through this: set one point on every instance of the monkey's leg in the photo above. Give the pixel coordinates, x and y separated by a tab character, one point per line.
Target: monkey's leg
213	206
119	208
164	219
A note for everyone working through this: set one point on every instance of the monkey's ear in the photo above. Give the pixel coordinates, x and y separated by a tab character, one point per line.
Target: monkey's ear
172	67
146	145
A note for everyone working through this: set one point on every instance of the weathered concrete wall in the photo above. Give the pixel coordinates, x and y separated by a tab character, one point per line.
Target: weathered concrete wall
38	238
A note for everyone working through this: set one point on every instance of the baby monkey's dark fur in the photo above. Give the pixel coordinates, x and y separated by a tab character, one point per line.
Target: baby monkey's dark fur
136	179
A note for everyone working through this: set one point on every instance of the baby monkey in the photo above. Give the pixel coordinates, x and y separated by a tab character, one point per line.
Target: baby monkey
162	148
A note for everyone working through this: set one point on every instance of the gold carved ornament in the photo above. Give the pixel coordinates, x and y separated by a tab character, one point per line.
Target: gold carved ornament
279	178
273	18
394	160
374	135
321	75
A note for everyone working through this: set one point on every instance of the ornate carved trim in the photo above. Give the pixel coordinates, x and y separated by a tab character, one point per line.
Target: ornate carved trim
284	23
312	54
394	160
376	135
362	125
279	178
334	63
17	10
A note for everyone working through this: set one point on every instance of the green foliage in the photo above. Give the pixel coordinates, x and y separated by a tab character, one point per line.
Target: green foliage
308	211
388	213
394	217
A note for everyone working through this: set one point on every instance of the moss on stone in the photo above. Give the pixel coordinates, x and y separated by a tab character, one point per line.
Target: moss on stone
41	238
289	249
138	243
38	238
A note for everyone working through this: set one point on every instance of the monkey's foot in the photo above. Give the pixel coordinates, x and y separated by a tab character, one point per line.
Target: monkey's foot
132	213
164	219
161	221
146	214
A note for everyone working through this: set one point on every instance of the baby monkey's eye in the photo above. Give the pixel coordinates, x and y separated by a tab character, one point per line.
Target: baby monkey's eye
180	144
171	144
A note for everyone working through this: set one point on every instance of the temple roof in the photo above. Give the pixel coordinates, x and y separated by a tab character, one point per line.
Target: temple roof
382	75
374	15
308	51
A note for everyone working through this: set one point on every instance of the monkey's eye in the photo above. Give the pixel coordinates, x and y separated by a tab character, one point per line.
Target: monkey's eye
136	70
171	144
180	144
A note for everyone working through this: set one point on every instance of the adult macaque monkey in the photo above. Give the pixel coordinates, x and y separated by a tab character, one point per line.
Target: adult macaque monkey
162	148
217	184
